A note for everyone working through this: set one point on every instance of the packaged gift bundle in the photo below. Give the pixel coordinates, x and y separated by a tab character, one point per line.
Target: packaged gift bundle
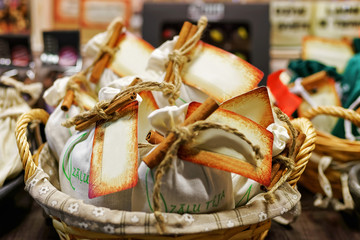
176	149
72	95
323	87
12	105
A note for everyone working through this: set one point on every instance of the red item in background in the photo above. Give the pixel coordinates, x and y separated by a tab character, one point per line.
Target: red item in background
67	56
20	56
285	100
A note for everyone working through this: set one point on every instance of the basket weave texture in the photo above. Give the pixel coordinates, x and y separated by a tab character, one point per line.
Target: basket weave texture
341	150
221	225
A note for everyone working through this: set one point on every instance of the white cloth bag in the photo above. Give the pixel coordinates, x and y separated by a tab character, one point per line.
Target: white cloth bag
186	187
56	134
12	105
75	160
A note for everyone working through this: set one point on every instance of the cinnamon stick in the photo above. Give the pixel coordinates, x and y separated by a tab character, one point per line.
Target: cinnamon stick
201	113
184	32
134	82
277	171
81	125
105	59
68	100
154	137
192	32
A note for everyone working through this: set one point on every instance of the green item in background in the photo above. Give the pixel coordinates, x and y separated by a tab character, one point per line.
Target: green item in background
304	68
350	82
351	91
356	44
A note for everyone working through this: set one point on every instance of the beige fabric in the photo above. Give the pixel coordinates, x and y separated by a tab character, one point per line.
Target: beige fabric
323	201
12	105
75	212
34	90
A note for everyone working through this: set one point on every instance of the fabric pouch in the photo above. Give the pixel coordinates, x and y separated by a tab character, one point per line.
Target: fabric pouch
55	133
11	107
187	187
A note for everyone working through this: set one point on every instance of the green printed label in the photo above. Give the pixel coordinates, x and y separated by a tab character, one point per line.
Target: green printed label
69	171
245	197
182	208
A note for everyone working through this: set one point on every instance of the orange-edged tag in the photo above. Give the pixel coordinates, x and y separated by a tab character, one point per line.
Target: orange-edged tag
114	157
218	73
321	93
285	100
225	151
254	105
147	106
132	56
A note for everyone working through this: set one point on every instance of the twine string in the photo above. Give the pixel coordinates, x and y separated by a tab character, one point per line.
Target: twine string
103	48
287	161
179	58
184	135
99	108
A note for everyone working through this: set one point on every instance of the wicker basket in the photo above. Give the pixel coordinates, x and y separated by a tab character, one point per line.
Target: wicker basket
253	231
342	151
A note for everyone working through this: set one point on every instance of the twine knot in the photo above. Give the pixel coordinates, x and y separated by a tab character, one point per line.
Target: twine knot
109	50
203	21
178	57
99	110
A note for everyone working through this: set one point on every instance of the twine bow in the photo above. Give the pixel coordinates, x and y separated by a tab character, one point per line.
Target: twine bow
33	90
184	135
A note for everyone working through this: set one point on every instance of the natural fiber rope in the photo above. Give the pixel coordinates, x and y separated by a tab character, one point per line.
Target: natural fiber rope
21	139
103	47
179	57
81	76
166	88
287	161
343	150
306	148
183	135
74	84
335	111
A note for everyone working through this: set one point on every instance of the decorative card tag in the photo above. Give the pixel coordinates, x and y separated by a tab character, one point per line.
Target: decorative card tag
322	93
218	73
132	56
114	157
331	52
254	105
147	106
218	149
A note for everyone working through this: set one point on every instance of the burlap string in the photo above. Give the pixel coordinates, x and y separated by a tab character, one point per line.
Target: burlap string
74	84
166	88
179	57
184	135
80	77
103	47
288	161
